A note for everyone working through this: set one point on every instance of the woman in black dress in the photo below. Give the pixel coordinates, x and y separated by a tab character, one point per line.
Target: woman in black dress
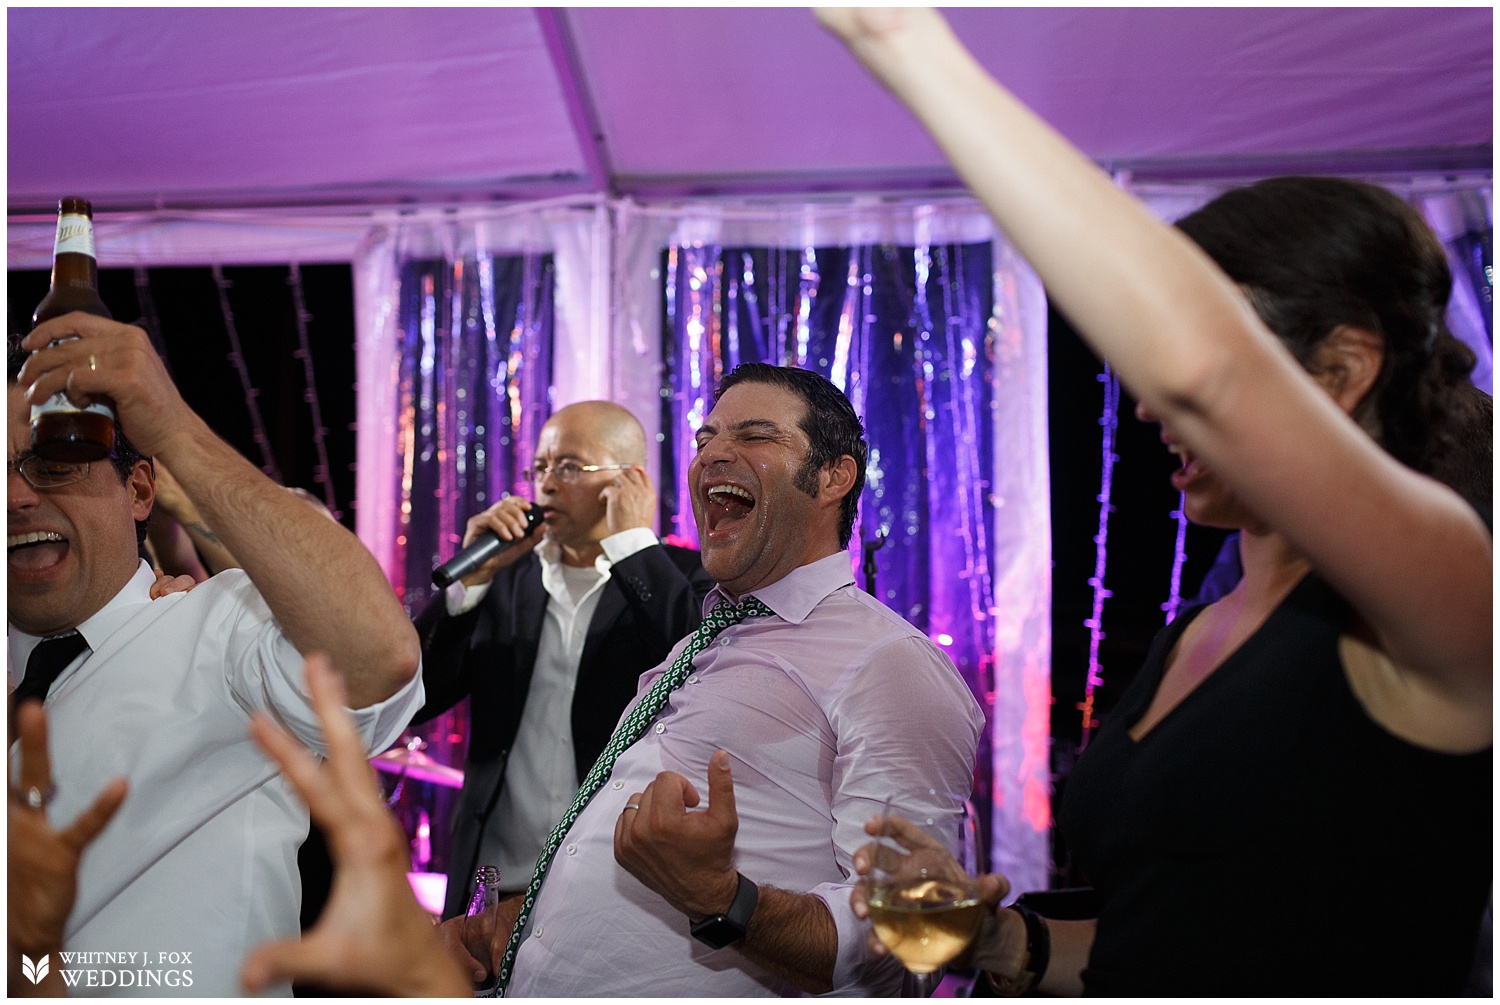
1294	797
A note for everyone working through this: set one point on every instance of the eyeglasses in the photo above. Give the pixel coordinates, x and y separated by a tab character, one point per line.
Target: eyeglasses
568	471
41	473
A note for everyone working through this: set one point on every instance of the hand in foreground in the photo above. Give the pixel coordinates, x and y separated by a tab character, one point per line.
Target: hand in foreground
42	861
686	856
929	857
885	38
852	24
508	519
167	584
94	358
372	936
629	500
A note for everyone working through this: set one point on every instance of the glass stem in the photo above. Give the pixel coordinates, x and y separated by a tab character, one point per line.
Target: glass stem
921	985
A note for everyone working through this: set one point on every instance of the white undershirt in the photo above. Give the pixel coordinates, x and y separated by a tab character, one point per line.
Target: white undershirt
540	774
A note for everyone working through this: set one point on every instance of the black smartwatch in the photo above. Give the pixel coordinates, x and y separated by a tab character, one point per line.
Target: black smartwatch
728	928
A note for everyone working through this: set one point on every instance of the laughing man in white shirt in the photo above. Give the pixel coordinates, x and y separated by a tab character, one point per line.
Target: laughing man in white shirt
200	863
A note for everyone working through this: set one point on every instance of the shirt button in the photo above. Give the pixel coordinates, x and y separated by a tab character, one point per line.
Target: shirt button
572	849
538	933
619	784
661	727
693	679
725	641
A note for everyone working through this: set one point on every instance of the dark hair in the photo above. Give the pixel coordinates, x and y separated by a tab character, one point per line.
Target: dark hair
1468	468
124	457
832	429
1317	253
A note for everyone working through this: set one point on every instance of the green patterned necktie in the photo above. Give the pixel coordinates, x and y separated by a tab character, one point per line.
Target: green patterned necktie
721	617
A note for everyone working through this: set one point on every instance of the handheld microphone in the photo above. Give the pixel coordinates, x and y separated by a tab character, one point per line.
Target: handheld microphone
483	548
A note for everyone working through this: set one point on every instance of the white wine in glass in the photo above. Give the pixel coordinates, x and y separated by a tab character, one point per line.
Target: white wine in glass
927	922
923	904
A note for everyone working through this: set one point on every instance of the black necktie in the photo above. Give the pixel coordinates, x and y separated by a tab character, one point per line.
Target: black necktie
47	661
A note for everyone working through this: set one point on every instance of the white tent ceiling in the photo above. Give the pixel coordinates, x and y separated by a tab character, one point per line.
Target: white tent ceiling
183	107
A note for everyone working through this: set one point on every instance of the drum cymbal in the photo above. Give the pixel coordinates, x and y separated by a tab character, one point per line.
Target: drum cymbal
417	765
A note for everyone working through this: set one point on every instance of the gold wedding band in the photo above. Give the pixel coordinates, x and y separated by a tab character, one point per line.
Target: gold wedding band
93	363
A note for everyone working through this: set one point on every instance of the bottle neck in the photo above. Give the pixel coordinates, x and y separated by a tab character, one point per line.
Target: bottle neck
73	261
73	269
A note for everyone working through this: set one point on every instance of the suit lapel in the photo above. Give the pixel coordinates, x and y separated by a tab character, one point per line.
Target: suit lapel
529	611
611	607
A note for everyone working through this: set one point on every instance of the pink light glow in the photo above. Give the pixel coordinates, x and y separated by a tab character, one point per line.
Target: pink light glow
430	888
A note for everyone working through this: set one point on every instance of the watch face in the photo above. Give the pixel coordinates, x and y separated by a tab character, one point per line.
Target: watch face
717	932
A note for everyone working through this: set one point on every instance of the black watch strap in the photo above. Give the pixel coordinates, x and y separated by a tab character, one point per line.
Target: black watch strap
725	929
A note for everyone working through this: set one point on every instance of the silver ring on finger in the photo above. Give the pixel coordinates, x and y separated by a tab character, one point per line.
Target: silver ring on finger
631	806
38	798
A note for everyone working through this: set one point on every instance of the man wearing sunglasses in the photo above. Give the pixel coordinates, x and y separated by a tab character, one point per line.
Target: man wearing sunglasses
199	865
548	638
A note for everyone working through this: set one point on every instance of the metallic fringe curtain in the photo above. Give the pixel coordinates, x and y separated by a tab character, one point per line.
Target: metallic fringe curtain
903	331
907	333
474	375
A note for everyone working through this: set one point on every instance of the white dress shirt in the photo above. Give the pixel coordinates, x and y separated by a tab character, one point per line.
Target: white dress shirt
201	860
825	710
540	772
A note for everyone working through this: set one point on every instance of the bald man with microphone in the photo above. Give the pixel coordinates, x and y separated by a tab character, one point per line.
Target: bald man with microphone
548	637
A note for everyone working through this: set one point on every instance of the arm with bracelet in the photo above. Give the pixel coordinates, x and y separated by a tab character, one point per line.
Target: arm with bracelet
1020	951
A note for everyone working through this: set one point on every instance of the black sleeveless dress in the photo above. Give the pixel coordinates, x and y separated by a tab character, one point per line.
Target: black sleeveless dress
1268	838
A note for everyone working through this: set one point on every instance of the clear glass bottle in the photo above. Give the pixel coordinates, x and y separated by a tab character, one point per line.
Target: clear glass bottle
60	430
486	896
486	890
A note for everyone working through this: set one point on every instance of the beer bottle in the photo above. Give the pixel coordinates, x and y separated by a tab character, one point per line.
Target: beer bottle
60	430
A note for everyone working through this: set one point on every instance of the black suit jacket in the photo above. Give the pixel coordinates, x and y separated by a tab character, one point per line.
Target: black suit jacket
652	599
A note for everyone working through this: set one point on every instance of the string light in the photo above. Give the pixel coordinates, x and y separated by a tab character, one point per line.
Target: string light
237	358
1109	421
310	395
1179	556
149	319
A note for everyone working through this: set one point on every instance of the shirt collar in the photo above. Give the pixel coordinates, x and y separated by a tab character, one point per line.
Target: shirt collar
550	552
96	629
554	579
794	595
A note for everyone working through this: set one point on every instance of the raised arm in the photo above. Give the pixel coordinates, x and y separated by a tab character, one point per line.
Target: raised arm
180	535
324	587
1407	553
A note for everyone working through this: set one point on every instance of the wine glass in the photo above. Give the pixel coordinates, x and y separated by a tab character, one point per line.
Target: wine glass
923	902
